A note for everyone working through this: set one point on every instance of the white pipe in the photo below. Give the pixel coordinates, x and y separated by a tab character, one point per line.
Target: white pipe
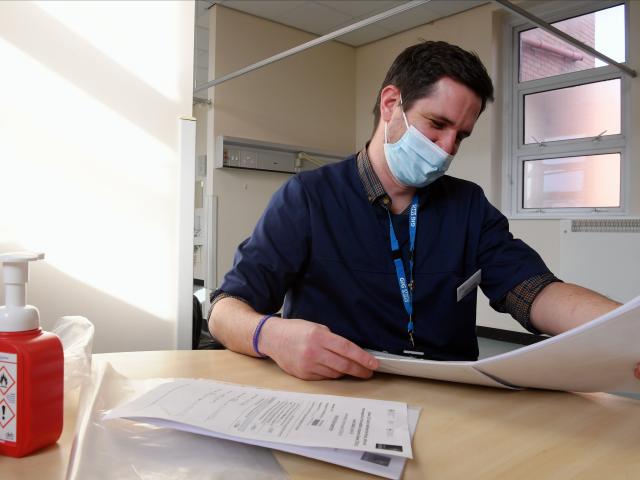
318	41
211	275
564	36
562	52
184	250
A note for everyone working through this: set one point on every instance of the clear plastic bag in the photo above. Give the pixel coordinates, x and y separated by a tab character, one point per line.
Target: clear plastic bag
121	449
76	335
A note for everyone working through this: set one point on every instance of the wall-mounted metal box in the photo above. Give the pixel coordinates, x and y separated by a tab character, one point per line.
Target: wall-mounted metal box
232	152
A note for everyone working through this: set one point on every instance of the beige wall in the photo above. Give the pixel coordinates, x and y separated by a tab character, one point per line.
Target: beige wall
305	100
89	160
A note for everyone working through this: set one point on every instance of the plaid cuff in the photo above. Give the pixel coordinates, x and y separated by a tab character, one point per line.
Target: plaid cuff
519	300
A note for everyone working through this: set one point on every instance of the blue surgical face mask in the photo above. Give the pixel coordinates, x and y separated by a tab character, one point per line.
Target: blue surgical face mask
414	160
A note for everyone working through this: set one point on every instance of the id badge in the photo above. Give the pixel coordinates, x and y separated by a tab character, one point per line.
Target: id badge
470	284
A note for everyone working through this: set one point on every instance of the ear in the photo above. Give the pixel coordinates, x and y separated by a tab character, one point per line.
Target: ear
389	99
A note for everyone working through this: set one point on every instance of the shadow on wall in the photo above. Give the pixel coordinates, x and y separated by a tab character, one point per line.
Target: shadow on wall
119	326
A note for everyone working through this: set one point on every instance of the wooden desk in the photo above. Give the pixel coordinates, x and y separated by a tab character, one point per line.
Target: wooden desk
464	432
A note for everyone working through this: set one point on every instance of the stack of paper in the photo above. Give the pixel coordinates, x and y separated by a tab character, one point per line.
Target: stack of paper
369	435
599	356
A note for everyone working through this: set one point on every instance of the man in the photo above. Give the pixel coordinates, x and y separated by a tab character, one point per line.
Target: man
371	252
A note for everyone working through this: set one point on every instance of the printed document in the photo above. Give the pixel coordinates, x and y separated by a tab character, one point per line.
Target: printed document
599	356
370	435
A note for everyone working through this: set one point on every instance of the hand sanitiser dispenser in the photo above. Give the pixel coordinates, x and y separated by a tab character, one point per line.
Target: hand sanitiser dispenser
31	367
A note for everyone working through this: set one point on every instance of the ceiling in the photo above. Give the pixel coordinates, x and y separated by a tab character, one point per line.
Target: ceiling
320	17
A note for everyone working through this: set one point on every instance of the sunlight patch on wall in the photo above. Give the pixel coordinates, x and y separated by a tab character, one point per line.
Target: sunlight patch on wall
91	189
109	25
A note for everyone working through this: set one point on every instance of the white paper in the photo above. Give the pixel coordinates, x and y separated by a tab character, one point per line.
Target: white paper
245	413
463	372
380	464
599	356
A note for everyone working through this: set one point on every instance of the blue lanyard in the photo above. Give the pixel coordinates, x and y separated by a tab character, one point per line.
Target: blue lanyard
406	289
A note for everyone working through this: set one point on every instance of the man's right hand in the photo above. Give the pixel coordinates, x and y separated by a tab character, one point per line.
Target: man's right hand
303	349
310	351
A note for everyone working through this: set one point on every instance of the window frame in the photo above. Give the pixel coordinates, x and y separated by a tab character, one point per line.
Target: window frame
516	152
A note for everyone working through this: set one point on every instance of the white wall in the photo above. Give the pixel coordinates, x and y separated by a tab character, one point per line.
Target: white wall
90	95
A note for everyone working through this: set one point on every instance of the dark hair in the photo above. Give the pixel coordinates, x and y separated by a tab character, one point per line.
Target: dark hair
415	71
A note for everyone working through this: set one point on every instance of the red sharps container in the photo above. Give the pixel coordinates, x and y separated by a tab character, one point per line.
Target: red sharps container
31	367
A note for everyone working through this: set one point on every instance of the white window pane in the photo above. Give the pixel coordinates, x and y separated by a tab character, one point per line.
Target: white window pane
610	34
544	55
573	112
573	182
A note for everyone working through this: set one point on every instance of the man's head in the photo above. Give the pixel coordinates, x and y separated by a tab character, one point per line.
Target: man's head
417	69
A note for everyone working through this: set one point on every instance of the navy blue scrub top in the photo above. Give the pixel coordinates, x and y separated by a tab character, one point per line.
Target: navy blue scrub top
324	248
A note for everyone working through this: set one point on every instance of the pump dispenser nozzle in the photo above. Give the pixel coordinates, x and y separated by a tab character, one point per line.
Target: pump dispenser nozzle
16	315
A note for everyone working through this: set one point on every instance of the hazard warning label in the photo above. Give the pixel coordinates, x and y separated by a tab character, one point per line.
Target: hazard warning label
8	397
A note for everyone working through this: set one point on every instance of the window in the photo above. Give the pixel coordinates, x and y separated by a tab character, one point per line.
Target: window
565	111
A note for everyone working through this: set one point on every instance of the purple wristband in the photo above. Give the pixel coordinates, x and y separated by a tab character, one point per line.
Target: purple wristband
256	335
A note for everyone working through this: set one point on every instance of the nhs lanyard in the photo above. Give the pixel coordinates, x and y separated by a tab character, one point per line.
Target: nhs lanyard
406	288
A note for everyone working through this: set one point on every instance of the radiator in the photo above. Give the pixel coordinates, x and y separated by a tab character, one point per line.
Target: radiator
602	254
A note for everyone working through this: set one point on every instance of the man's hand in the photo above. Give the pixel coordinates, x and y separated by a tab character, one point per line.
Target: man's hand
562	306
310	351
304	349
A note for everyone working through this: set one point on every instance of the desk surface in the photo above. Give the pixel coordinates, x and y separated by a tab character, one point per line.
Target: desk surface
464	431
